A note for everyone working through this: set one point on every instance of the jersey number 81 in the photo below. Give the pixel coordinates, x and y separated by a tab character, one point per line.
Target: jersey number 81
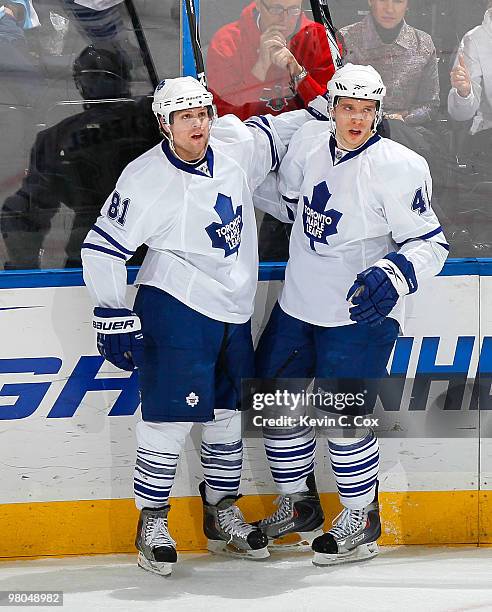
118	208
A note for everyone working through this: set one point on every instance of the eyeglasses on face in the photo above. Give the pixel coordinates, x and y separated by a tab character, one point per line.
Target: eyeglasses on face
277	10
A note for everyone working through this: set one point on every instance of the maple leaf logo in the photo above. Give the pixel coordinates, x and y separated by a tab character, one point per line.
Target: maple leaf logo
318	222
226	235
192	399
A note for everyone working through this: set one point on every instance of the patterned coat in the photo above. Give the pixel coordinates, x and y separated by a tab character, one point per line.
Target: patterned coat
408	67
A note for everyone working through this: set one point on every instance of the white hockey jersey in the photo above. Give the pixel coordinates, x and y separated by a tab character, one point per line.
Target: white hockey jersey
350	210
197	220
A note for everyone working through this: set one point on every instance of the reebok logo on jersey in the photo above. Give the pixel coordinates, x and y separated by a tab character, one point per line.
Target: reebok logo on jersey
319	223
192	399
226	235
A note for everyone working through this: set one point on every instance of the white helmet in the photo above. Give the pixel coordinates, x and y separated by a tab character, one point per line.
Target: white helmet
355	81
179	94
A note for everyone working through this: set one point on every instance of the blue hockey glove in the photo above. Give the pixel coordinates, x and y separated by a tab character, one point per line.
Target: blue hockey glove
119	339
377	289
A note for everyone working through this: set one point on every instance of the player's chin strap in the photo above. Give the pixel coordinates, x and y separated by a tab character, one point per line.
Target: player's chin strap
170	140
168	135
377	120
370	135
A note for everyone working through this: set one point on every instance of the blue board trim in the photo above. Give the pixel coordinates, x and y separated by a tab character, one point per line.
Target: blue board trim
72	277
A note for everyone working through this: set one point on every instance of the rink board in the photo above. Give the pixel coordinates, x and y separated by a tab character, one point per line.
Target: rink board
67	429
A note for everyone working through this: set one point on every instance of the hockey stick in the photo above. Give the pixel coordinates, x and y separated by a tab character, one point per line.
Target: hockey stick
142	42
195	42
321	14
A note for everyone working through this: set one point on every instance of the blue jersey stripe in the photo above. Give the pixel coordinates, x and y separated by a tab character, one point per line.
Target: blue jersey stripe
290	200
423	237
111	240
96	247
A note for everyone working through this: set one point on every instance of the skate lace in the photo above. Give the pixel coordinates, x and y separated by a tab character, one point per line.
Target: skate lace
283	511
156	532
232	522
347	522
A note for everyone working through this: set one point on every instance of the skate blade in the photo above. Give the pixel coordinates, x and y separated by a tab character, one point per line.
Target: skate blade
364	551
299	541
156	567
219	547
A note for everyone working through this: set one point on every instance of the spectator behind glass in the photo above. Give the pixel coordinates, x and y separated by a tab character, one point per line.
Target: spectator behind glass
404	56
100	20
78	161
21	81
470	97
406	59
271	60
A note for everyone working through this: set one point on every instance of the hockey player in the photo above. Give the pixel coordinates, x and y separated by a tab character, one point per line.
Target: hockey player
189	199
362	210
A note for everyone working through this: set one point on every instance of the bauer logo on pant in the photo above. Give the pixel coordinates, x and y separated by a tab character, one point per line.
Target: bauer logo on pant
192	399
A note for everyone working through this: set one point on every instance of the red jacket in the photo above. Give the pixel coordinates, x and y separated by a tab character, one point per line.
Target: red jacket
232	53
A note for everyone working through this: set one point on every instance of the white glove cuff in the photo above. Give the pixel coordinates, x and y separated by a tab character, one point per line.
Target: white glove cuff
395	275
116	325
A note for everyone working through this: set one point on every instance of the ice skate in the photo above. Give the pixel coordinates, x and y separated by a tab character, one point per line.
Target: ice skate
352	537
157	549
297	520
228	533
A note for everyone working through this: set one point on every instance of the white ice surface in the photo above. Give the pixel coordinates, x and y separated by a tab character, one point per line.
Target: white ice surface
399	579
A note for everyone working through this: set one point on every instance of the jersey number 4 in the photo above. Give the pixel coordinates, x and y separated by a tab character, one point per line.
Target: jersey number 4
419	205
118	208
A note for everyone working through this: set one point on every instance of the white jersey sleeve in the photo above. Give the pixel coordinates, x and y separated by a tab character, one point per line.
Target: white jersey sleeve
272	136
268	199
119	230
406	188
262	152
292	170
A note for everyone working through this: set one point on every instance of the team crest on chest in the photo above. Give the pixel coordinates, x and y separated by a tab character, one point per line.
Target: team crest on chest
226	235
319	223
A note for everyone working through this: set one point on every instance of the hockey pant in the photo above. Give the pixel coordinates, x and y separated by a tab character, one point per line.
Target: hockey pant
290	348
191	364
